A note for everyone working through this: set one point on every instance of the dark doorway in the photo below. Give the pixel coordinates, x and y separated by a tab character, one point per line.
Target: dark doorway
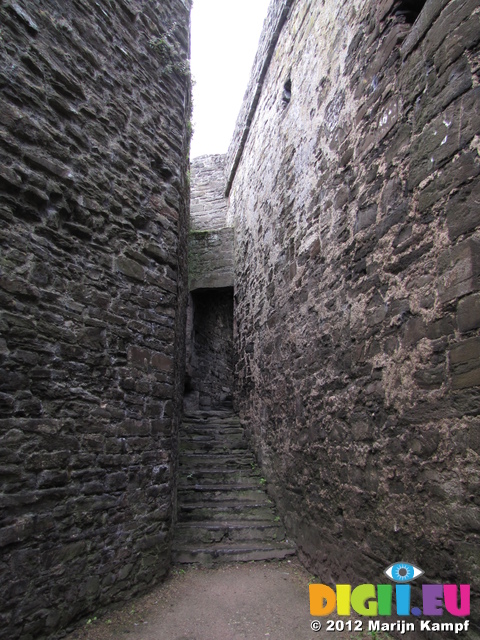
409	10
209	380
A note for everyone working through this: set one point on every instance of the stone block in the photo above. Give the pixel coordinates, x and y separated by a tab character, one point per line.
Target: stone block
161	362
139	357
453	83
130	427
116	481
462	211
448	180
155	541
365	218
430	378
459	269
387	118
130	268
465	364
443	327
468	313
439	141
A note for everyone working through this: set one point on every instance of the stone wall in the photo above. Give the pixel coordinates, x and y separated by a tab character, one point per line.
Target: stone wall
210	259
210	243
93	209
355	206
210	277
211	360
209	205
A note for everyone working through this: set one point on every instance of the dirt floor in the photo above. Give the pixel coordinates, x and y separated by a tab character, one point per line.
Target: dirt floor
252	601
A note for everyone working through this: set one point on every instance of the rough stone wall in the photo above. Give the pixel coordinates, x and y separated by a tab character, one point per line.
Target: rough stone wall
209	205
210	278
355	206
210	259
210	243
211	361
93	211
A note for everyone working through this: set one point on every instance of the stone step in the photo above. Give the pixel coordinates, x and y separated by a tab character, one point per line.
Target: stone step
225	511
222	493
211	414
211	428
212	554
212	447
215	423
214	434
240	531
219	460
247	477
233	423
211	432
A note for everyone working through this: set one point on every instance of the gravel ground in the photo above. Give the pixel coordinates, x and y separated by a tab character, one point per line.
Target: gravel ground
252	601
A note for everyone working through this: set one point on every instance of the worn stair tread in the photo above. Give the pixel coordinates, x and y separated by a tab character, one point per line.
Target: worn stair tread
212	481
262	500
222	465
219	487
219	458
240	546
235	524
209	441
206	421
250	473
212	554
211	427
212	438
209	424
225	531
212	450
209	412
223	497
224	512
212	477
219	513
205	501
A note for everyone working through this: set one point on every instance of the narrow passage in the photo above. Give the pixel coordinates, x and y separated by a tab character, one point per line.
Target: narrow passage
245	601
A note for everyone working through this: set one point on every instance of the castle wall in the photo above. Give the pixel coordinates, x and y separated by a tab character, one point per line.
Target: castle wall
209	207
354	198
210	242
93	208
209	364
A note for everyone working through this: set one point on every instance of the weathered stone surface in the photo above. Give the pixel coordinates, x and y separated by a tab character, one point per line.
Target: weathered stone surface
210	243
210	359
93	207
224	511
210	274
355	208
469	313
208	203
210	259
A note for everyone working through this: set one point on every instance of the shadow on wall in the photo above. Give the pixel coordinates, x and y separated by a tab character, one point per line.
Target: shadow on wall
210	363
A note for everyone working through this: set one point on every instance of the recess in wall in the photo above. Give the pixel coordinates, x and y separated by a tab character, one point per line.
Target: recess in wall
287	92
408	9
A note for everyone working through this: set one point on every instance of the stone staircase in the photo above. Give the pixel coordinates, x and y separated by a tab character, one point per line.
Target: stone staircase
224	513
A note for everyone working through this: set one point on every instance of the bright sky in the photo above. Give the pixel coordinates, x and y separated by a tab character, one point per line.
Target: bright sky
225	35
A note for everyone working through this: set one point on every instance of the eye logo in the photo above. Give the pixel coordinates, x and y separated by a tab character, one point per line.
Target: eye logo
403	572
